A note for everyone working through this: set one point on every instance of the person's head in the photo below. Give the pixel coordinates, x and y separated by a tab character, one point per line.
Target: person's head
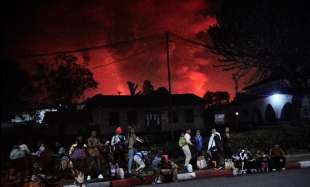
213	130
188	131
93	133
79	139
164	158
198	132
227	129
276	146
118	130
132	130
57	144
182	134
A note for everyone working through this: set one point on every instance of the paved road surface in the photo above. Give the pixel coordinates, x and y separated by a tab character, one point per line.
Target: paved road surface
289	178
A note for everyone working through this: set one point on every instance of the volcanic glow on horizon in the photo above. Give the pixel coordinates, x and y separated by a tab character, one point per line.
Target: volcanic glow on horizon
70	24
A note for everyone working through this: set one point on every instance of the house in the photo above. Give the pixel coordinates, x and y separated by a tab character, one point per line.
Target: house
266	102
153	113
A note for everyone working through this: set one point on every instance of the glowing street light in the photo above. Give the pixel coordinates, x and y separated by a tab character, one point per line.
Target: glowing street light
276	98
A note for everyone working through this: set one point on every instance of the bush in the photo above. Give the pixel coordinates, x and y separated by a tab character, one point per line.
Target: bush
291	139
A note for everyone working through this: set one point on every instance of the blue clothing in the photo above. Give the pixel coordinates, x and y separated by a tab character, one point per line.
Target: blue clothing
198	143
131	153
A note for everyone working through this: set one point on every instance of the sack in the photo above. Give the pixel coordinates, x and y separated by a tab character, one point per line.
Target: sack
16	154
189	168
120	173
229	164
78	153
201	162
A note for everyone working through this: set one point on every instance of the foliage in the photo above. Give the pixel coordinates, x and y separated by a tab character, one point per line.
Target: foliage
148	88
216	98
133	88
65	81
18	92
270	38
291	139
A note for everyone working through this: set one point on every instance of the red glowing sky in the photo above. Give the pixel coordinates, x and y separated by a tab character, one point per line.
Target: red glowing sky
64	25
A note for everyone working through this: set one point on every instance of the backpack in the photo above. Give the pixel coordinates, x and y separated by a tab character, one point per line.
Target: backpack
78	154
182	142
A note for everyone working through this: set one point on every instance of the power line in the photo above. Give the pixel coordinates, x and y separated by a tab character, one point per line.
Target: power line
203	45
122	59
109	45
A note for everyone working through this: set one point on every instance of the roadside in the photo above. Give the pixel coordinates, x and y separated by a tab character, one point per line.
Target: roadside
293	162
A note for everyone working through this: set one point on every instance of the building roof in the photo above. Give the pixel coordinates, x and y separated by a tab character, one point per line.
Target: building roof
111	101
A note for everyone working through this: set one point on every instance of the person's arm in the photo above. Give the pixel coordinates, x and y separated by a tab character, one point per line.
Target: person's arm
210	142
72	149
139	139
90	143
113	141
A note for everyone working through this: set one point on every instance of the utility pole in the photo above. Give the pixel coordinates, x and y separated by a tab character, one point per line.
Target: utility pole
169	83
168	60
236	78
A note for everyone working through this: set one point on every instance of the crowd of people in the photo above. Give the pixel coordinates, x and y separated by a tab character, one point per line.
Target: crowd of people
127	155
218	154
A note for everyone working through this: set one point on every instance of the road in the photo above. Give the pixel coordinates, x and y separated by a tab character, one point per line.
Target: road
289	178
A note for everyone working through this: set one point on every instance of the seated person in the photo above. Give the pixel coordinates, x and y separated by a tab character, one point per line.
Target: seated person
277	159
250	163
139	159
156	167
168	170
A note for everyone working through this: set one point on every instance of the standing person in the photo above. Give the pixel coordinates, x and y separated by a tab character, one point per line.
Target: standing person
78	155
118	147
61	157
18	158
93	145
198	143
185	147
227	144
168	170
215	146
131	141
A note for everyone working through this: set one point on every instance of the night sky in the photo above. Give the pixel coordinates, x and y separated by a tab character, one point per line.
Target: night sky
31	27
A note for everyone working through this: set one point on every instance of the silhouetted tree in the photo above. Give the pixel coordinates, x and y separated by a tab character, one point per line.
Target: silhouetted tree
209	96
64	81
133	88
148	88
216	98
270	38
161	91
17	90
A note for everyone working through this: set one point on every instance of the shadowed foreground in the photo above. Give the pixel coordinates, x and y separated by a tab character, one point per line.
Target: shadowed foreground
289	178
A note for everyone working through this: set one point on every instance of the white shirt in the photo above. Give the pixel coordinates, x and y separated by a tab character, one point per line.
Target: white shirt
188	138
211	140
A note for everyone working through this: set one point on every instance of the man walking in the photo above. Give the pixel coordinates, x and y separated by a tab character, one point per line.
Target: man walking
185	147
215	147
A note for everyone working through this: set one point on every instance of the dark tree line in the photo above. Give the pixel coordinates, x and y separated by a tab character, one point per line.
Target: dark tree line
61	82
270	38
147	89
216	98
